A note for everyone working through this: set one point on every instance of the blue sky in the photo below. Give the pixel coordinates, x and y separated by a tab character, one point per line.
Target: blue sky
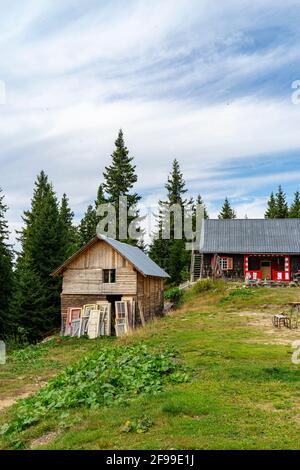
204	81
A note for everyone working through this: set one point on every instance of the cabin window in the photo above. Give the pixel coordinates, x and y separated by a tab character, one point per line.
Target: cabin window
109	276
226	263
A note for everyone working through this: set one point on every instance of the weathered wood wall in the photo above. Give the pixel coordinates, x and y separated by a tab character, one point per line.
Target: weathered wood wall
295	264
238	266
150	295
84	275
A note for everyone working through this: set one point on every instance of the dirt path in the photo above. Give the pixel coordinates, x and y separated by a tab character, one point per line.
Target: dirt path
6	402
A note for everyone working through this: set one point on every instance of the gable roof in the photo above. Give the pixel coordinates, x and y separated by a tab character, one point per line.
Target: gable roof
137	257
251	236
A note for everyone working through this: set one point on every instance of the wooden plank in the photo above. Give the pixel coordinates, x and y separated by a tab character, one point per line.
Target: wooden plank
141	313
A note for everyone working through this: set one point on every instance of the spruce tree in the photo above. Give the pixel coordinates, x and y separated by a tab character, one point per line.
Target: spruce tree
282	209
176	185
171	254
69	234
101	199
88	225
27	309
271	211
199	201
294	211
6	260
227	212
42	250
119	179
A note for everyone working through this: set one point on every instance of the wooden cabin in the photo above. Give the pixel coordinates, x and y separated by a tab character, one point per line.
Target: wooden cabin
266	249
108	270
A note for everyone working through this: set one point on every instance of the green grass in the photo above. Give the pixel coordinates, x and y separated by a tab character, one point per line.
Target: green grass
243	391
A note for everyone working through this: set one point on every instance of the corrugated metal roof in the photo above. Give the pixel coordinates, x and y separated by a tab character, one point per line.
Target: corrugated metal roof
251	236
137	257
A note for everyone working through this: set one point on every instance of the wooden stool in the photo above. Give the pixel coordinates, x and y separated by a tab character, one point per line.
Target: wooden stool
279	320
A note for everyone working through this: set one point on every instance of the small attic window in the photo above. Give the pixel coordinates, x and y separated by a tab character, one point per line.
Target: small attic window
109	276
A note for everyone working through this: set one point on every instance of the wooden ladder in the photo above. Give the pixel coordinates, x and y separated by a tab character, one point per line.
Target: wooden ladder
197	266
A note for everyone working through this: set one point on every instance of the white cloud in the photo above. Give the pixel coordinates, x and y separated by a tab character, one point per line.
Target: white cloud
173	76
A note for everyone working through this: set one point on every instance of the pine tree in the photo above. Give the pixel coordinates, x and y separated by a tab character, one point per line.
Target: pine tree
42	251
176	185
294	211
171	254
69	234
27	309
119	179
199	202
159	247
88	226
6	259
271	209
227	212
282	210
101	199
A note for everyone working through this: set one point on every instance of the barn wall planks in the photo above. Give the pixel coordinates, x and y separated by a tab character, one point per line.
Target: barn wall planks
150	295
85	273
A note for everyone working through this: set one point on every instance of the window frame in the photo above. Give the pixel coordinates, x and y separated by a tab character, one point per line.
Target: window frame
226	263
109	276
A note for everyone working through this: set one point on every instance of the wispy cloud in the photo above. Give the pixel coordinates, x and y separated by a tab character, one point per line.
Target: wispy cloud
205	83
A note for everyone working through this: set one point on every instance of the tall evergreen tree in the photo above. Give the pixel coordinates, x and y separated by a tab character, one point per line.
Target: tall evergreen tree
271	211
294	211
227	212
277	206
101	199
199	201
88	225
42	251
68	231
171	254
282	209
176	185
27	309
119	179
6	259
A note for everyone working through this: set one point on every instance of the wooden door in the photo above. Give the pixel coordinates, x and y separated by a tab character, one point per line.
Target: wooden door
265	267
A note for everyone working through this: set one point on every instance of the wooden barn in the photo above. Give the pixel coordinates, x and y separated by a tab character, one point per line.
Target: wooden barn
106	270
249	249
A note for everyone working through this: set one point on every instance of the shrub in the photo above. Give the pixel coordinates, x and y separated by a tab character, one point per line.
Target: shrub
173	295
242	294
205	285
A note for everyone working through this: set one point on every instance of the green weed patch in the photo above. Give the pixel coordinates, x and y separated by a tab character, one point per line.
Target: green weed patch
105	377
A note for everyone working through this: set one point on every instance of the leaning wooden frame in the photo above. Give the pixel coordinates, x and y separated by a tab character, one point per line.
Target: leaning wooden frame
75	326
125	316
121	322
99	323
93	324
105	320
73	313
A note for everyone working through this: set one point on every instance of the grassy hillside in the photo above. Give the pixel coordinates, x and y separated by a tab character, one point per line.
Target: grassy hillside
237	387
